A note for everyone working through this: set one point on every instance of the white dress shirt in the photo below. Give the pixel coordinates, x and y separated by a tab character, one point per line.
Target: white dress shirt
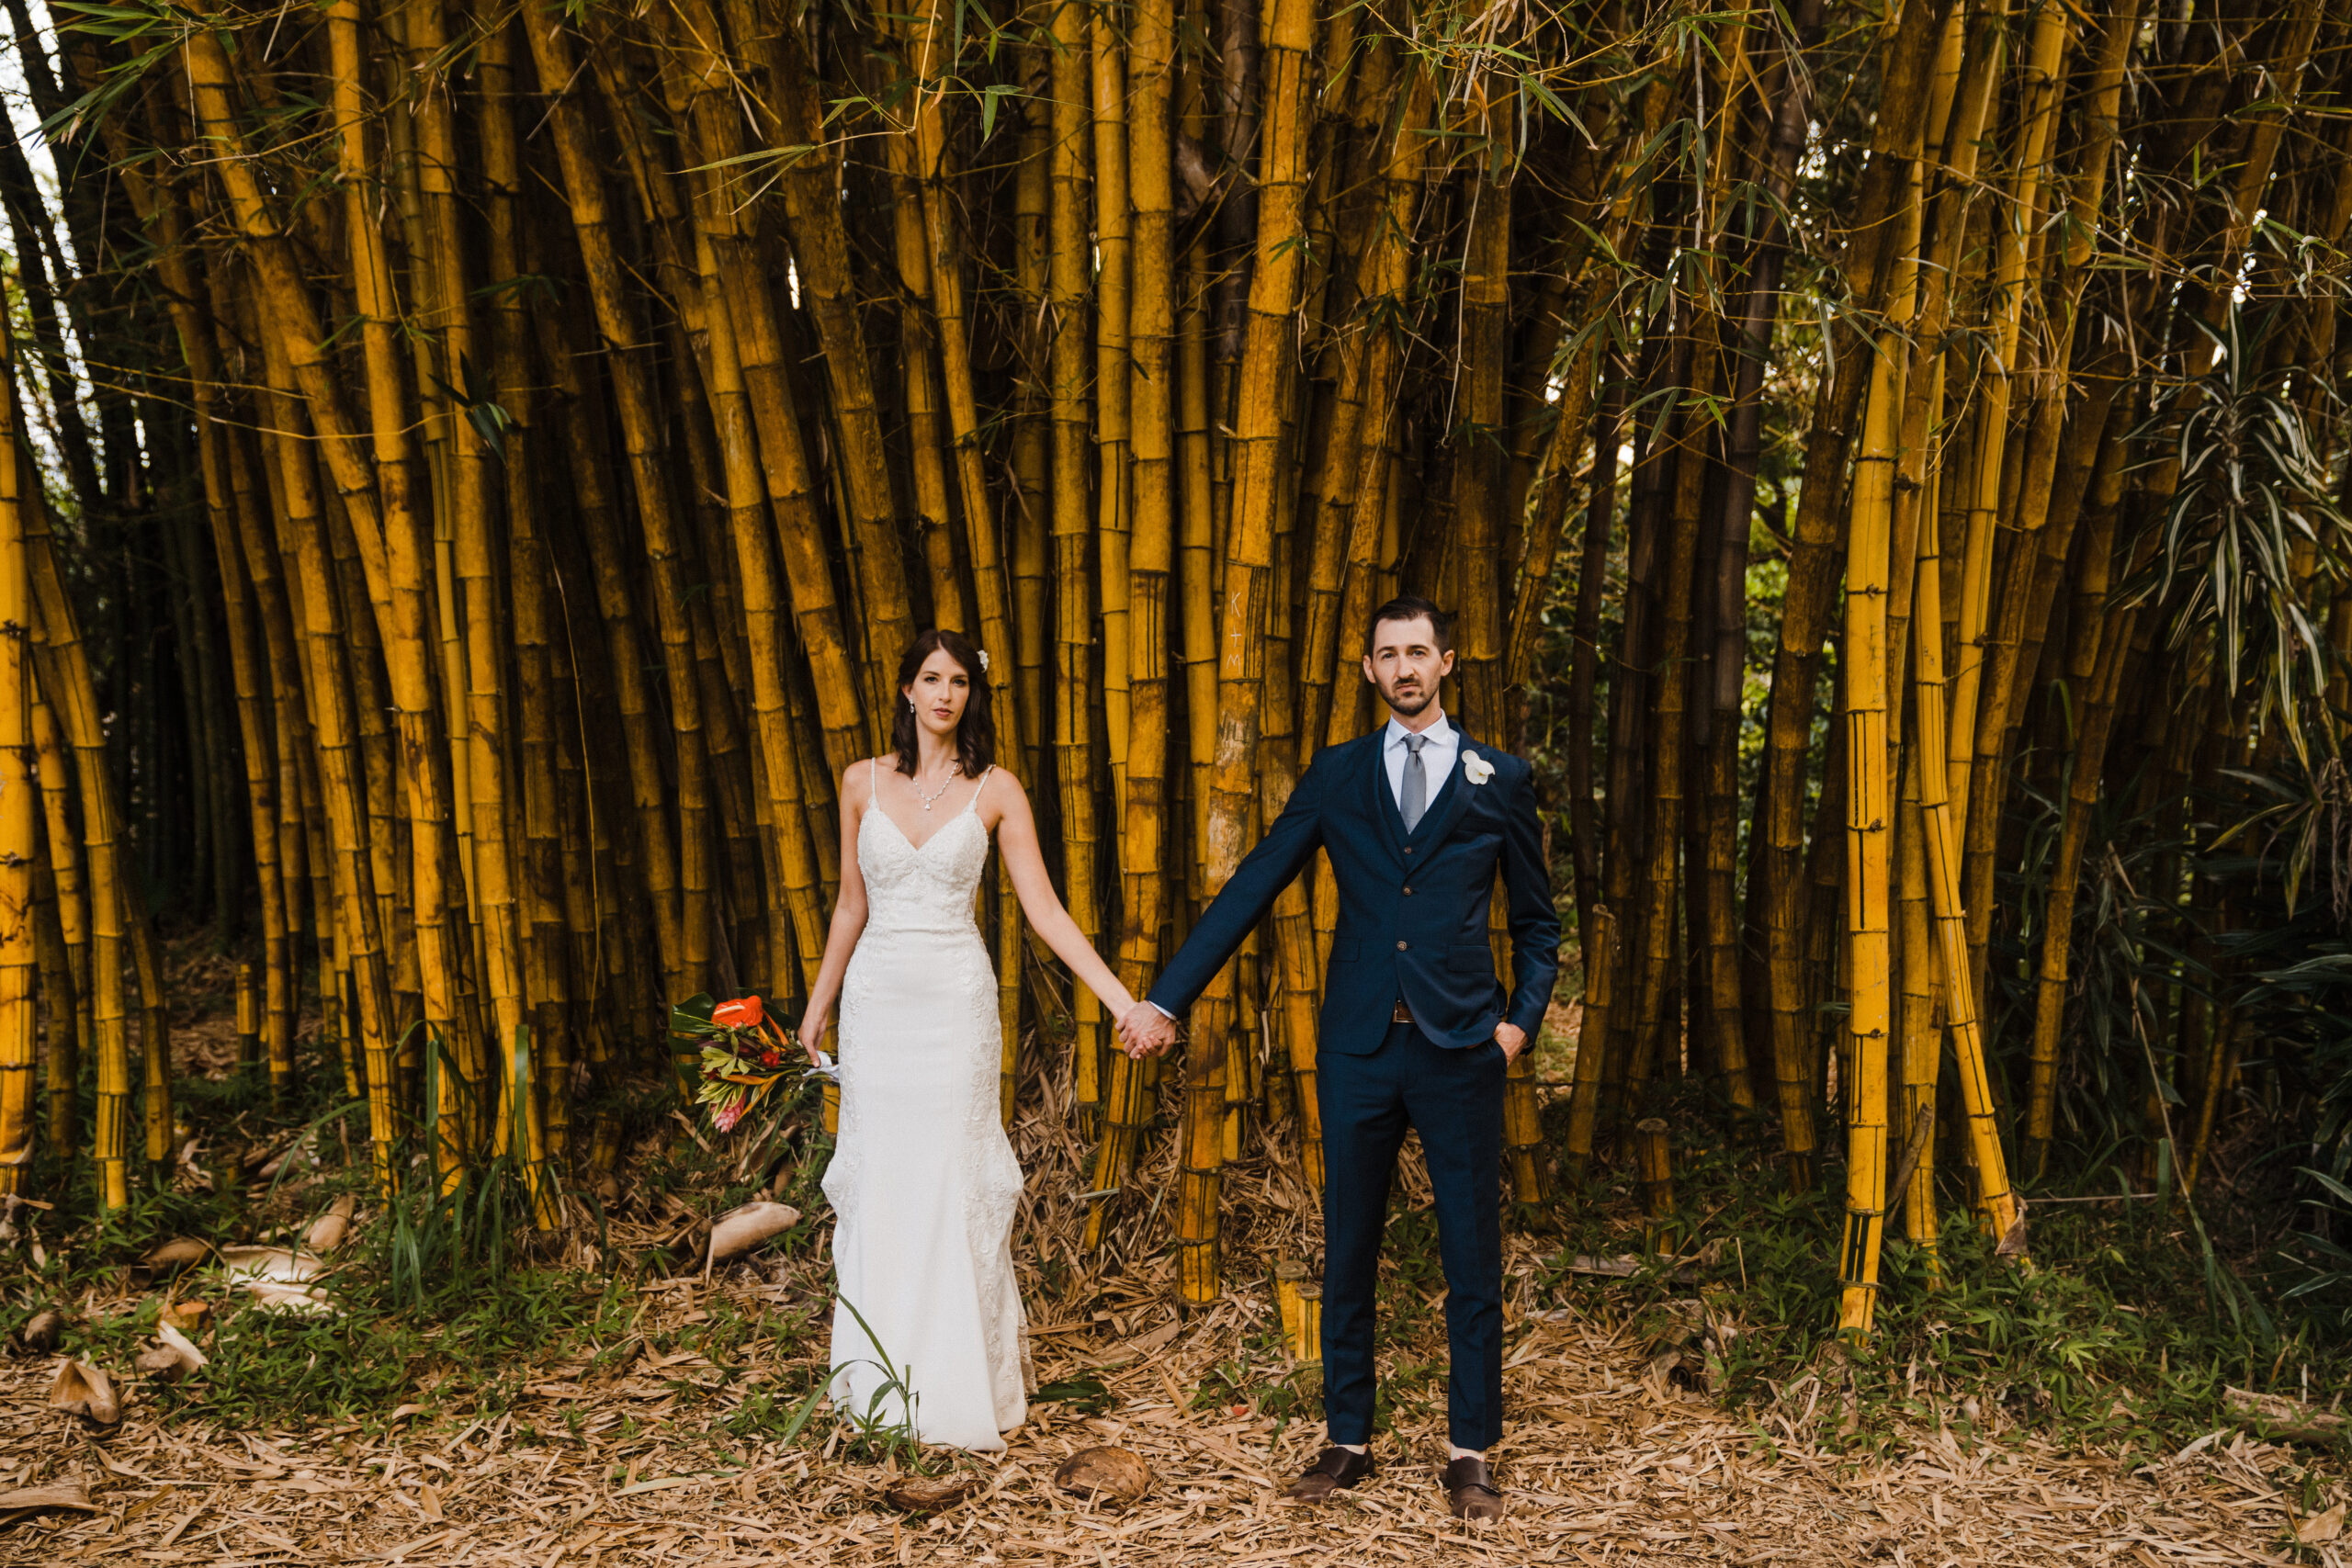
1437	758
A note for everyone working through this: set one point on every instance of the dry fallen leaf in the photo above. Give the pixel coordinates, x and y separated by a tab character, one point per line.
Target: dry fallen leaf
177	1253
2013	1240
42	1331
2317	1528
279	1265
1114	1475
269	1296
277	1278
739	1230
181	1344
57	1494
161	1365
83	1390
327	1231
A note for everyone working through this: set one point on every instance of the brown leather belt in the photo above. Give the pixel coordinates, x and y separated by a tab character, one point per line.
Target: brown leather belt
1403	1013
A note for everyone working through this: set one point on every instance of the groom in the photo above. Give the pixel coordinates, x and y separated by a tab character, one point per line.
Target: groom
1415	1029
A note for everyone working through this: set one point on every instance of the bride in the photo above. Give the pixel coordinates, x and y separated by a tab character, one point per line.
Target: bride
922	1182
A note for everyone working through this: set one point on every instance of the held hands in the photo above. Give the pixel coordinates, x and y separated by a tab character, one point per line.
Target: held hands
1145	1030
1513	1039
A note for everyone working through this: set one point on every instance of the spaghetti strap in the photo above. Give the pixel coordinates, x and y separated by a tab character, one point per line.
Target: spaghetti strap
975	801
873	785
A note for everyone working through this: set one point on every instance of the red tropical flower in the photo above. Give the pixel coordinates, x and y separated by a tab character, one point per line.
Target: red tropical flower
743	1012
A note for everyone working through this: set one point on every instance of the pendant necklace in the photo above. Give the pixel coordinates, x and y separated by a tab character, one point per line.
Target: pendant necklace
934	795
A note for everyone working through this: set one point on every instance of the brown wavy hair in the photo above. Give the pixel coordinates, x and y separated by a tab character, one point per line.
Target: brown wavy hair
975	732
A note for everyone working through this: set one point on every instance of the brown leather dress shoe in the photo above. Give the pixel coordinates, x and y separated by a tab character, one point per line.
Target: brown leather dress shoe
1333	1470
1470	1489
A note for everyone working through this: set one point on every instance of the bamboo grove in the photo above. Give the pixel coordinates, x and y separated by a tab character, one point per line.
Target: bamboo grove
472	469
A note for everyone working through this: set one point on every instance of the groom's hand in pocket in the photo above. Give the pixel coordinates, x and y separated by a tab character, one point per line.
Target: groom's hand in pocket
1513	1039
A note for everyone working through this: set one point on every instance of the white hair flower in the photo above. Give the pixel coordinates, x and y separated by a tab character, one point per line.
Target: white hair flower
984	660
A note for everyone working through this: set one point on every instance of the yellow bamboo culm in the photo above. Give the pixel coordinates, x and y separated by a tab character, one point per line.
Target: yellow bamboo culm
1919	1046
1654	1159
1592	1038
248	1020
1982	702
68	993
1869	822
1150	550
1115	303
1235	779
64	672
1298	1299
1931	734
1523	1130
1073	522
19	816
351	905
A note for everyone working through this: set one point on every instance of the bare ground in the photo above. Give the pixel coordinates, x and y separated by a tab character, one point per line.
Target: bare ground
1606	1460
1602	1464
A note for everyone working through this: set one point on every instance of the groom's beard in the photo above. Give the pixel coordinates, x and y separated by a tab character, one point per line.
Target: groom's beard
1407	704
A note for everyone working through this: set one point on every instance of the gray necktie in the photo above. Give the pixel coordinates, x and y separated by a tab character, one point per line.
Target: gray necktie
1413	798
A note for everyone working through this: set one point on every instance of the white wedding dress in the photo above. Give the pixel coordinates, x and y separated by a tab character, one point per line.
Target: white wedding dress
922	1182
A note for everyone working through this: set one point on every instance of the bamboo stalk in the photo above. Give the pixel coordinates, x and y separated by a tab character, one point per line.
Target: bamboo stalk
335	741
61	1059
1868	823
811	185
1981	687
1654	1156
19	818
1930	731
1075	576
224	499
1479	467
1236	777
64	669
1116	302
1592	1042
1150	158
1812	580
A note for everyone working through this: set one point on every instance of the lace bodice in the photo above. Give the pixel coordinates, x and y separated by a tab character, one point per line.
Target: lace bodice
924	888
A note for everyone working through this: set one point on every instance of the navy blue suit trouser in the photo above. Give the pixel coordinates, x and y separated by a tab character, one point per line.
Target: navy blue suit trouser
1455	1100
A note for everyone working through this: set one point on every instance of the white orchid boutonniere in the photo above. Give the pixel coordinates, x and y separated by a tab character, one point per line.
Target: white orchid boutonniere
1476	768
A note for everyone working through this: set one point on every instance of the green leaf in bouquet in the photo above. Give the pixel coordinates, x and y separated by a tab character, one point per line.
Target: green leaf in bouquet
690	1020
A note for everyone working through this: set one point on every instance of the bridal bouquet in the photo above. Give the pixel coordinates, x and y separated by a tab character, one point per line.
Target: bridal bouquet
743	1054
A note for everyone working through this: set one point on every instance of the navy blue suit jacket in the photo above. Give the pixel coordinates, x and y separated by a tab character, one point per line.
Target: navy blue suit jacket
1413	906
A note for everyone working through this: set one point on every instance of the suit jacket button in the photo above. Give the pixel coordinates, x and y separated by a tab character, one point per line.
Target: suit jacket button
1408	893
1408	848
1400	947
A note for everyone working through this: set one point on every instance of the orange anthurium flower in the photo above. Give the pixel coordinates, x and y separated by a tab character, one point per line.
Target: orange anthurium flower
743	1012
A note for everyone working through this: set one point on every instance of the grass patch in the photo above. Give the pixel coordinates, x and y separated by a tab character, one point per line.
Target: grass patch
2120	1335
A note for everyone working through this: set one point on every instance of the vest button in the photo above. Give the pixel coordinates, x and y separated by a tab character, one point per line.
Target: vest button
1408	893
1400	947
